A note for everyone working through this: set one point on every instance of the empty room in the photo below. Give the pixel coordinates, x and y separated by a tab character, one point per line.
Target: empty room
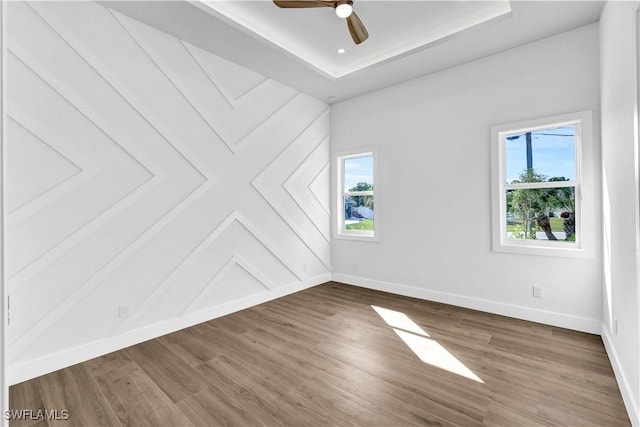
320	212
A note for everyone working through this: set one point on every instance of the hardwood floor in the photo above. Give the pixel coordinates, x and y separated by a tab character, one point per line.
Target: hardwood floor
341	355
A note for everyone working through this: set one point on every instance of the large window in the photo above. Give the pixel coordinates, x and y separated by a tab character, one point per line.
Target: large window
356	196
537	185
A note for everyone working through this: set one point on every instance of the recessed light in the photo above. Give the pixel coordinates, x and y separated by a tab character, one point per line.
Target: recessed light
341	51
331	98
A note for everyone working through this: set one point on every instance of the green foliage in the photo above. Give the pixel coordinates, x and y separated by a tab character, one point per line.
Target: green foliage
364	224
366	201
532	205
557	224
564	198
362	186
519	233
528	202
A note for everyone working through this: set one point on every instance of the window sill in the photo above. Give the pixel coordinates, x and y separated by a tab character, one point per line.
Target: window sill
358	237
567	250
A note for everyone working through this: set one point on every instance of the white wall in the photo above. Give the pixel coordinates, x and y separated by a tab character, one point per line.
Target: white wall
434	163
619	91
4	385
146	172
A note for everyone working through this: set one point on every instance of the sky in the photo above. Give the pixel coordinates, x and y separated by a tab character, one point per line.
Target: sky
553	153
357	169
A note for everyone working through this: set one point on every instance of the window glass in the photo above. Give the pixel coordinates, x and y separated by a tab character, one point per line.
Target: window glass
541	214
358	174
358	194
549	152
536	158
358	213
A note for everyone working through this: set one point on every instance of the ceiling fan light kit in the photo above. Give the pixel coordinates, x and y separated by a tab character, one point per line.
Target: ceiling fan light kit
343	8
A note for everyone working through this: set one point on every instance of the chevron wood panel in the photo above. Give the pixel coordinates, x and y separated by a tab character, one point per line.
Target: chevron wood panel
148	172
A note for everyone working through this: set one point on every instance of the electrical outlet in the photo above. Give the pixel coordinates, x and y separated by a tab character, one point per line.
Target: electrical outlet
304	267
537	291
123	311
615	326
355	266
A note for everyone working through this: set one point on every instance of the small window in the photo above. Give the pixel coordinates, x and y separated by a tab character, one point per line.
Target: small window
537	203
356	196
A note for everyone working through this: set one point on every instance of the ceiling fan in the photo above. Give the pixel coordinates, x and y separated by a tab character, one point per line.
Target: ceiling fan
344	9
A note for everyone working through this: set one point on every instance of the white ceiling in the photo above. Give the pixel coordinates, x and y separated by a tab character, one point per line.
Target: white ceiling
315	35
408	39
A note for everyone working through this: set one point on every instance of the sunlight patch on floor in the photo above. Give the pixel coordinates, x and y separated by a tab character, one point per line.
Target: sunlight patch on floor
397	319
427	349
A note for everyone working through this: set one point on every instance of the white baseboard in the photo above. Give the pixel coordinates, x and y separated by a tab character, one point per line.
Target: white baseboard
623	384
33	368
583	324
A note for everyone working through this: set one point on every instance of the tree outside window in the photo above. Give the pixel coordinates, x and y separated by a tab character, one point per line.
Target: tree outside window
538	186
540	200
358	194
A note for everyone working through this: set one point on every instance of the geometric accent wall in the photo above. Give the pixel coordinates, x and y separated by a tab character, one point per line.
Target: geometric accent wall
147	172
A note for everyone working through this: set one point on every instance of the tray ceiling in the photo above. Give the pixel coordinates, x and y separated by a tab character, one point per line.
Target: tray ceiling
408	39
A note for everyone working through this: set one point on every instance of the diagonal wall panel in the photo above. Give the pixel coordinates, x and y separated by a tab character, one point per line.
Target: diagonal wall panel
120	173
37	167
298	186
245	280
271	185
230	79
168	179
320	190
197	73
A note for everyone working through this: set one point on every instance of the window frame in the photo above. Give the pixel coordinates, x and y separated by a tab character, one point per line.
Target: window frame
501	243
339	230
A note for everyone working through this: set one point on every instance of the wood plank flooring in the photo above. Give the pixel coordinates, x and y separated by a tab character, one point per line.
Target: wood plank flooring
326	356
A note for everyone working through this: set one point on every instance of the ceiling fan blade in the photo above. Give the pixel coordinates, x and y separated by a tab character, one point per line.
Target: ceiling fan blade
294	4
356	28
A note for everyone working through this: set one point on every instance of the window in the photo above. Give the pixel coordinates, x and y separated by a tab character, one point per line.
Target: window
356	196
537	185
